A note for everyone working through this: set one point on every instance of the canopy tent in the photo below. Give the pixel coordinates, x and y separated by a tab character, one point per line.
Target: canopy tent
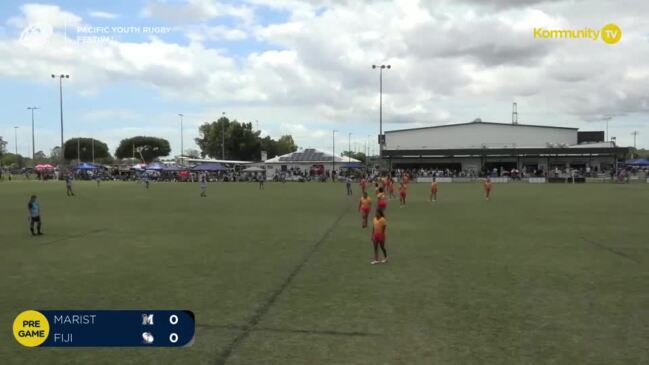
86	166
139	166
352	165
253	169
172	168
156	166
638	162
44	166
210	166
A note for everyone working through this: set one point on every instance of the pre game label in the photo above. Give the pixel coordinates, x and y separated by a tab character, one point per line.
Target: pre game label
105	328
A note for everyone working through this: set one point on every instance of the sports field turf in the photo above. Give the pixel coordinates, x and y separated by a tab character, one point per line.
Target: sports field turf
539	274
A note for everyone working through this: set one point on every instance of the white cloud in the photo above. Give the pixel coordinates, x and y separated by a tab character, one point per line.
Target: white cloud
450	61
196	11
103	15
47	14
215	33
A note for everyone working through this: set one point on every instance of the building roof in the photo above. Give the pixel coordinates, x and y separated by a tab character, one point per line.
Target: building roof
582	150
475	122
309	155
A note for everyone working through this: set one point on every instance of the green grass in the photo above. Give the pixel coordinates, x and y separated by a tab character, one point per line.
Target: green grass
539	274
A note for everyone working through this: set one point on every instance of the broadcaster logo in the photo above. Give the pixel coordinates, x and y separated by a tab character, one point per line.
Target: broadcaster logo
37	34
610	33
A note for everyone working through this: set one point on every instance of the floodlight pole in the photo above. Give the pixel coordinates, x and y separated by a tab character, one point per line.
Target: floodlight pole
61	77
349	148
32	108
16	140
181	138
333	154
381	68
223	137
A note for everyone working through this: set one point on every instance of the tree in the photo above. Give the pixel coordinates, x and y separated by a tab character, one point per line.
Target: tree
147	148
12	160
40	157
83	149
241	141
642	153
55	154
357	155
285	144
3	146
192	153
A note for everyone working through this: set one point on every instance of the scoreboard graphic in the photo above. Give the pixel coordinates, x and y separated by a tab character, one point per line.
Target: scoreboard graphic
104	328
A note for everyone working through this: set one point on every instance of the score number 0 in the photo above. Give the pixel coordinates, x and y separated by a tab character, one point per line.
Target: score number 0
173	319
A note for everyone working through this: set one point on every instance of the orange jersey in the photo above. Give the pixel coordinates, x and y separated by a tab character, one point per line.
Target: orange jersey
487	185
366	204
403	189
379	225
380	196
363	183
433	186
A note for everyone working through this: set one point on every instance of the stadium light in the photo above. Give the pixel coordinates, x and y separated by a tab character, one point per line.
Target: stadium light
16	139
223	137
181	138
333	154
61	77
32	108
381	140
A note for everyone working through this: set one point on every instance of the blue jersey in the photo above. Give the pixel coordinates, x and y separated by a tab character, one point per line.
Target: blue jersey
34	209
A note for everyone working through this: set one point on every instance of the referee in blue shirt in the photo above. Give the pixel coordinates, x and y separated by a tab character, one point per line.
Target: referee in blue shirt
34	209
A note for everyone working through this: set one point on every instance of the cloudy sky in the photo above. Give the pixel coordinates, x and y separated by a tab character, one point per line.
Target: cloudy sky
304	67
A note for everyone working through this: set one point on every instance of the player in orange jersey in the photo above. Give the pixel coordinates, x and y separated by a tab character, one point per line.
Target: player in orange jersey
378	237
403	190
363	185
364	206
391	187
487	188
381	202
433	190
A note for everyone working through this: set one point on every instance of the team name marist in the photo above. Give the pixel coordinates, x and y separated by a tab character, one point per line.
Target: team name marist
75	319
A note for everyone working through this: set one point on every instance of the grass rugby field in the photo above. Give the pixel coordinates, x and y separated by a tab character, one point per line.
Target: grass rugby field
539	274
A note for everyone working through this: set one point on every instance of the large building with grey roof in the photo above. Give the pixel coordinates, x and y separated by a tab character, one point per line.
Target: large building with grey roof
479	146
